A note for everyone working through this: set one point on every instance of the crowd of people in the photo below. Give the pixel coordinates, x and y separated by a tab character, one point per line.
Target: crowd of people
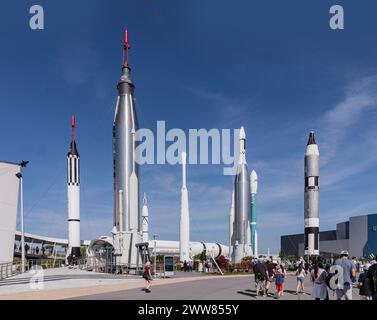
339	277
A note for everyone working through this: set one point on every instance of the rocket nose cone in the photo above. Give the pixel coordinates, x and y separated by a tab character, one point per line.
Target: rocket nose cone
145	199
242	133
311	139
253	182
254	175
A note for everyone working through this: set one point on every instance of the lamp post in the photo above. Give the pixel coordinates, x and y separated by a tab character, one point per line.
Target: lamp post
155	236
19	176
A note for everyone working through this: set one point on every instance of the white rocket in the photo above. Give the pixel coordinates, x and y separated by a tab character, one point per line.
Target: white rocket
241	205
231	226
184	234
73	181
253	217
311	197
145	223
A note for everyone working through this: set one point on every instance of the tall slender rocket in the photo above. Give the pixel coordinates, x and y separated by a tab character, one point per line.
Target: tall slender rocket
145	216
311	197
253	218
184	234
241	204
73	182
126	169
231	226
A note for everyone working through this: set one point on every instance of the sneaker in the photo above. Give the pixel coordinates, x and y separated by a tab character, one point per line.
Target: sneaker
147	290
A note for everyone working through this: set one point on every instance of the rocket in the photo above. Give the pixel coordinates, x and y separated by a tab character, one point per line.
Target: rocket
184	230
311	197
145	223
231	226
241	204
125	166
253	211
73	182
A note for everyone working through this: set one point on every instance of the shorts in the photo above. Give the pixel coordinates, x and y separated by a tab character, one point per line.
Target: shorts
279	287
345	293
300	279
259	283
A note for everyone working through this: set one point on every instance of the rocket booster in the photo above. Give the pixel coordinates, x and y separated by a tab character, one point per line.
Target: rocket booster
231	226
73	182
125	166
241	203
311	197
253	218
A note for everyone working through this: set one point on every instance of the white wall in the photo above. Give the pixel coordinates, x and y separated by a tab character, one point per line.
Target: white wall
9	185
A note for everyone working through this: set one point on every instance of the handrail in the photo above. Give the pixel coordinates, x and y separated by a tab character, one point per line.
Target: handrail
9	269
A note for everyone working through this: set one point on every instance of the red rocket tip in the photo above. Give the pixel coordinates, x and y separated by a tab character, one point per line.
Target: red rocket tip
126	37
126	47
73	125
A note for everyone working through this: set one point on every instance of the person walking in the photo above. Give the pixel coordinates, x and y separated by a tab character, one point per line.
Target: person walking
260	275
318	275
271	272
147	275
190	265
365	290
372	277
279	282
349	273
300	273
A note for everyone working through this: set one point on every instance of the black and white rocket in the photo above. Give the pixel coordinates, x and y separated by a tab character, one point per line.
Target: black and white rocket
311	197
73	181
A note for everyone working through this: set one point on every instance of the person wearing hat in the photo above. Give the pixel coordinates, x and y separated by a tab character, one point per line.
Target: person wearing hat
364	284
349	272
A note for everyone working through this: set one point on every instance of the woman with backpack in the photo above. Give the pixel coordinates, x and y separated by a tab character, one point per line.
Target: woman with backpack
318	275
147	275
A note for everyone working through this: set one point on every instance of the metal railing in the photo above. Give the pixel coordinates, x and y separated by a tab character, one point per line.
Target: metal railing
9	269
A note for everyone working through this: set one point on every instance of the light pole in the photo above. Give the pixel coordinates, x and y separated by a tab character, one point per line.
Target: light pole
19	176
155	236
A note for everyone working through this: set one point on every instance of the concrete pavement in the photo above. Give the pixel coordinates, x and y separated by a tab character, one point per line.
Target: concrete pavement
64	283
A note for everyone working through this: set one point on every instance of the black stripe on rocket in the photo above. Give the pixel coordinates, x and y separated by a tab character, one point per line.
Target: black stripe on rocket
315	231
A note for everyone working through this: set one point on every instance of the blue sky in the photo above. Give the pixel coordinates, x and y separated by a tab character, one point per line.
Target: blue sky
274	67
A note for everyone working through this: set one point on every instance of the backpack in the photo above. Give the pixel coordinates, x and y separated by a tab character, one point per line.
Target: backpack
279	278
260	271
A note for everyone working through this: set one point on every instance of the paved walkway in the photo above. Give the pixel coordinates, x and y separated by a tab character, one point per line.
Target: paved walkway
64	283
215	288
